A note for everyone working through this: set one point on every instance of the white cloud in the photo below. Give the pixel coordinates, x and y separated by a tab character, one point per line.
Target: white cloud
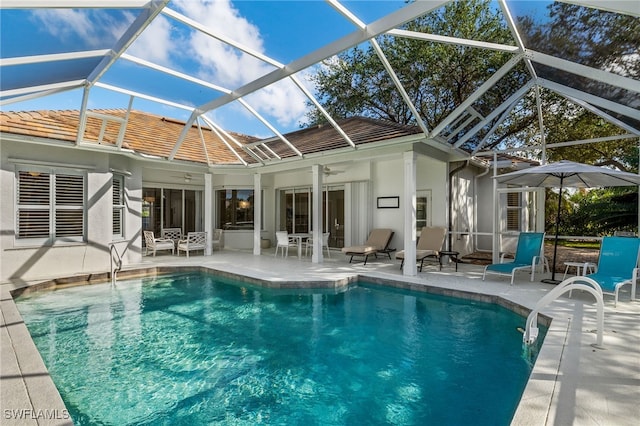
97	28
231	68
155	43
171	44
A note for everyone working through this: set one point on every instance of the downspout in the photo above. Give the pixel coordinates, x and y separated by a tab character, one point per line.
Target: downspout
452	173
475	206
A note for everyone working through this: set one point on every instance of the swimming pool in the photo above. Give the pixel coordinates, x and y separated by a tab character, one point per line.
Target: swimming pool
199	349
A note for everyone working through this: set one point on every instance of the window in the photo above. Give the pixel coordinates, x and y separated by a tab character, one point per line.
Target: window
117	183
235	209
514	209
423	209
50	205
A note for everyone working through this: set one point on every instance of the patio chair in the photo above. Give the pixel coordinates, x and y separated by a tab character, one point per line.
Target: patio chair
218	239
283	242
429	245
528	255
195	241
325	244
156	244
377	242
174	234
617	265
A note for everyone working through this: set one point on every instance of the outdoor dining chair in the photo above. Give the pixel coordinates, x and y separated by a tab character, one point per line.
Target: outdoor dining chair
325	244
283	242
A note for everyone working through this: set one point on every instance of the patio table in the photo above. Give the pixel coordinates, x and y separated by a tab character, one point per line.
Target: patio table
299	236
581	268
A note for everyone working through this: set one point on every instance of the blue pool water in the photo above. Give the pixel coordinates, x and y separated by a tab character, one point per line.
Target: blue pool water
197	349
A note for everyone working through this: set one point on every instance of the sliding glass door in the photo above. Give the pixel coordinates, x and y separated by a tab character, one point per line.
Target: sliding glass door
171	208
296	212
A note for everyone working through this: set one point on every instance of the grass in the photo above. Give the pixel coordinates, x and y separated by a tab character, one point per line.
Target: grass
580	244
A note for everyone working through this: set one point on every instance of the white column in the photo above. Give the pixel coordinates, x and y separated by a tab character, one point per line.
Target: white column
316	171
495	241
409	267
257	212
208	212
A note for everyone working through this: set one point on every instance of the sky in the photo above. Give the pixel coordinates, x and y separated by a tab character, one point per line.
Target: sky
281	30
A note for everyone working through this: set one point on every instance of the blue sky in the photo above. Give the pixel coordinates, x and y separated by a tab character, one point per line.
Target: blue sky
281	30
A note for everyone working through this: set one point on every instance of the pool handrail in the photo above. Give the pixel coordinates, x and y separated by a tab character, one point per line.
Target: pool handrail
583	283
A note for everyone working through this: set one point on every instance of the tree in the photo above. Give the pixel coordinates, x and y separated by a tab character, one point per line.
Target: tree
437	77
601	40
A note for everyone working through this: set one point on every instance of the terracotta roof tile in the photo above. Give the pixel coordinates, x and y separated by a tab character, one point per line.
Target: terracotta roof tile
155	135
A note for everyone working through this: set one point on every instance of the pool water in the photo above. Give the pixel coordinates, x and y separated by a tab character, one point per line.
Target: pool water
198	349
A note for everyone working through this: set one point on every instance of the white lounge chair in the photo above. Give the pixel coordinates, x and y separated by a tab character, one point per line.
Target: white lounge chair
195	241
156	244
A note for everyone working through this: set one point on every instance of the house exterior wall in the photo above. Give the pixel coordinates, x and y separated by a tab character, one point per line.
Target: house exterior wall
485	206
24	260
463	210
364	181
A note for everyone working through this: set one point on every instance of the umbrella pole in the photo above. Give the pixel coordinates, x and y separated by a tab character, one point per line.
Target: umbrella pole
555	244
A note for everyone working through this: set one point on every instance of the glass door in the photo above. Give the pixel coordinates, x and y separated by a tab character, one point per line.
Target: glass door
333	204
296	212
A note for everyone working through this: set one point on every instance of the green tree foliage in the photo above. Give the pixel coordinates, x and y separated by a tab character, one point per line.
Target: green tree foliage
601	212
437	77
600	40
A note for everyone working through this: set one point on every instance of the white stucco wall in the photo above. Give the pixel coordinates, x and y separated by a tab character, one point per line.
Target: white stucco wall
25	261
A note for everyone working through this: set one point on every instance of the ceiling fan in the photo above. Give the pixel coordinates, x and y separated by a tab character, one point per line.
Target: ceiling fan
188	177
328	171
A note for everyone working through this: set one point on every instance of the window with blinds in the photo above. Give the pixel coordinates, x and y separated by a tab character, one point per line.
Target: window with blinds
118	205
514	211
50	205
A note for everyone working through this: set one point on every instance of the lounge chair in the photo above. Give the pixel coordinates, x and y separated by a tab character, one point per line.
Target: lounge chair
528	255
155	244
195	241
617	265
377	242
429	245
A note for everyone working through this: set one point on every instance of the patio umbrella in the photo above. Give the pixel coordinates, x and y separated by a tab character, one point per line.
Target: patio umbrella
567	174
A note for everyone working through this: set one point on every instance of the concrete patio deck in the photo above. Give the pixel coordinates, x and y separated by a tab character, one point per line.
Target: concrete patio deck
573	383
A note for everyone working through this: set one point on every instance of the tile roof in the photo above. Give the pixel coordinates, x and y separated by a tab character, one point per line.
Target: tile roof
155	135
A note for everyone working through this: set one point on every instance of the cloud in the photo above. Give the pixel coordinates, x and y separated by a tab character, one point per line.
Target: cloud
231	68
176	46
96	28
155	44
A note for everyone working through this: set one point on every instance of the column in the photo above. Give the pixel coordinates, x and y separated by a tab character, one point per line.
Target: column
409	268
318	217
257	212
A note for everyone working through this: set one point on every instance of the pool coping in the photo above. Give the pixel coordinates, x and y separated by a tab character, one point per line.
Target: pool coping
44	397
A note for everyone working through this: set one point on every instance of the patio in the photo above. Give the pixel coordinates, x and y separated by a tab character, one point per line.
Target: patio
572	382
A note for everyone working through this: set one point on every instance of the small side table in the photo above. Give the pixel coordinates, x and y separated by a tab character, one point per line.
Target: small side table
453	255
582	268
